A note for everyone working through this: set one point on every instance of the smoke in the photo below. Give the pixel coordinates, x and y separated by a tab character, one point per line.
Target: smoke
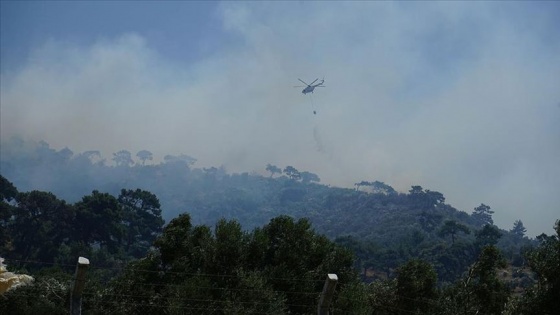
457	97
318	142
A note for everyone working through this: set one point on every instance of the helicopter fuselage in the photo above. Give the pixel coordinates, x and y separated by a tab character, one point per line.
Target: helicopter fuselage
308	89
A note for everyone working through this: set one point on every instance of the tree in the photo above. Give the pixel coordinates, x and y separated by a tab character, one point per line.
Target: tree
488	235
480	291
224	268
451	227
362	183
425	199
482	215
307	177
8	193
98	221
435	197
544	261
416	287
518	229
229	247
382	188
415	190
40	224
7	190
491	294
174	241
273	169
123	158
141	218
144	155
292	173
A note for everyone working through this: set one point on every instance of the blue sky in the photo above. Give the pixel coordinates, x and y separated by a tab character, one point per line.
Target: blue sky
181	31
458	97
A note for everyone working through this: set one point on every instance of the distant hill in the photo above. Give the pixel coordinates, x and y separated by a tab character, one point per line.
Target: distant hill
383	227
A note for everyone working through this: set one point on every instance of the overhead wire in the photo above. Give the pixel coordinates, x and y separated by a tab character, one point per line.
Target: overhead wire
88	293
158	271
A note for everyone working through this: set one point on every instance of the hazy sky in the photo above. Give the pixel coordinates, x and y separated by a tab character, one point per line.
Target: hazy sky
458	97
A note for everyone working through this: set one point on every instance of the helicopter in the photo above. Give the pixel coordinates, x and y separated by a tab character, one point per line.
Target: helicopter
310	87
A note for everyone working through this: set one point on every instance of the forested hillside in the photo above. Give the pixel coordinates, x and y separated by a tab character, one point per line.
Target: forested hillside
232	234
385	227
141	266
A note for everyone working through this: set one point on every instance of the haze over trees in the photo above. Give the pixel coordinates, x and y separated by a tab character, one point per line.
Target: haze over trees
230	235
204	270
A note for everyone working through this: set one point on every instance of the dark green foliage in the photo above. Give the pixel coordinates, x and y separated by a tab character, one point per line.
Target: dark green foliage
141	218
278	268
480	291
384	228
545	262
488	235
48	294
452	228
416	287
429	221
450	261
518	229
39	225
383	298
216	271
98	220
7	190
482	215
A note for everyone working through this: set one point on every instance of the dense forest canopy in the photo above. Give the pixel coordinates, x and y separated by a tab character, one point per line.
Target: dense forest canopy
143	265
181	186
230	234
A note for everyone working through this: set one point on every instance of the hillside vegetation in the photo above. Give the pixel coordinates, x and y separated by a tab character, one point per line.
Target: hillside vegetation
232	234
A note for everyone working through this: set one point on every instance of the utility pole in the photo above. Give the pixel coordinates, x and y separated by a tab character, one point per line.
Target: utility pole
327	294
79	283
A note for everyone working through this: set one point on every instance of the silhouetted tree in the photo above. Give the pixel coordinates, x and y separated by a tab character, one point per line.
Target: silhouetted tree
98	221
141	219
7	190
518	229
382	188
273	169
292	173
144	155
307	177
416	190
362	183
123	158
482	215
